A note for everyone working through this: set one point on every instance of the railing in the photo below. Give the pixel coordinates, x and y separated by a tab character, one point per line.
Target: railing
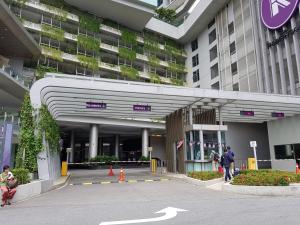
10	71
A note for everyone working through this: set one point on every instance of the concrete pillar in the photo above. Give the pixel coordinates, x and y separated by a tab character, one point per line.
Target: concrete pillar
281	66
201	144
145	142
93	141
72	146
273	64
296	46
117	144
220	143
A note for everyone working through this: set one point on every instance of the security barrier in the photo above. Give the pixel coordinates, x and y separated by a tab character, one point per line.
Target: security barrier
251	164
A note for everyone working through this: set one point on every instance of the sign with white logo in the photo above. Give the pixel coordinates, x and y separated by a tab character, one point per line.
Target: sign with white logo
275	13
253	144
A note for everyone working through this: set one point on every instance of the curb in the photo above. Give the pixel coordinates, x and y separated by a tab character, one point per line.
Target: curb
119	182
196	182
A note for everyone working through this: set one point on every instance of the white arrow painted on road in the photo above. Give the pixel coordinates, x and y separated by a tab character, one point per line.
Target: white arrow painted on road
170	213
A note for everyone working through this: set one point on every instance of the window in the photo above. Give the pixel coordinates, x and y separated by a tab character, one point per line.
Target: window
216	86
285	151
212	36
196	76
214	71
232	48
195	60
236	87
213	53
211	23
234	68
230	28
194	45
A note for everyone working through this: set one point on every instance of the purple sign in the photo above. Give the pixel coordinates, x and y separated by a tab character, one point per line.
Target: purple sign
7	144
275	13
95	105
246	113
142	108
277	114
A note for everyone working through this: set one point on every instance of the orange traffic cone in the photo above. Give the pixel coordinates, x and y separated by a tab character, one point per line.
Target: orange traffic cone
111	172
122	175
297	168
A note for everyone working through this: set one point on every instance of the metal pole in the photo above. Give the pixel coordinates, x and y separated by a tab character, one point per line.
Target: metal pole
255	156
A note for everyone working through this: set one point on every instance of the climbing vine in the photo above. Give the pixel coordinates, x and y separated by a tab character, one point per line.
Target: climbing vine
53	53
52	32
129	37
42	70
154	61
129	72
155	78
128	54
177	82
27	152
89	43
89	23
176	68
88	62
151	45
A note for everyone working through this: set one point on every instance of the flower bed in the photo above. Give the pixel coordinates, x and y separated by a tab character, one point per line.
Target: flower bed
205	175
266	178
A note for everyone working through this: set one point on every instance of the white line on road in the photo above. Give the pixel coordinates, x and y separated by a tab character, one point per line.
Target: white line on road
170	213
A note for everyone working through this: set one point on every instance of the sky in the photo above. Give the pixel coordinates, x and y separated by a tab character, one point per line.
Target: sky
153	2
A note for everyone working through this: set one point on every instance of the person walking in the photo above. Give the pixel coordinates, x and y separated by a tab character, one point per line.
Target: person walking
231	168
7	194
226	160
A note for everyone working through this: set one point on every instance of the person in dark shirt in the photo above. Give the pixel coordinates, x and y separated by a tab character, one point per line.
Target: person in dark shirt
226	160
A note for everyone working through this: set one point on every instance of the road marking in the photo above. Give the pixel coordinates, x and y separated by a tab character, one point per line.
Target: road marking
87	183
149	180
105	182
132	181
169	212
120	182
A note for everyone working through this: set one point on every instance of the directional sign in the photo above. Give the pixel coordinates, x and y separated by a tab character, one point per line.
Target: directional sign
95	105
169	212
142	108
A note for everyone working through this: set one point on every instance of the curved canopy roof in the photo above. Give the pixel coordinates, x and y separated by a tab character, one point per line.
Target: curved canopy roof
68	96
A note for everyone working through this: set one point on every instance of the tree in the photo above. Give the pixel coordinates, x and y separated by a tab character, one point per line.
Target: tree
167	15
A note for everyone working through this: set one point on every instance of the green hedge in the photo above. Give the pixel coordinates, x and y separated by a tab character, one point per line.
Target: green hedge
205	175
144	159
104	159
22	175
42	70
155	78
266	178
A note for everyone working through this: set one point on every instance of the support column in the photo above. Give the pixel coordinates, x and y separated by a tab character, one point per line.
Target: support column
93	141
219	132
201	144
296	46
117	144
281	66
72	146
273	64
145	142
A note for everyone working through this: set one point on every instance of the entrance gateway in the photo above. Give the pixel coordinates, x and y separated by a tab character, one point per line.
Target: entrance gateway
198	117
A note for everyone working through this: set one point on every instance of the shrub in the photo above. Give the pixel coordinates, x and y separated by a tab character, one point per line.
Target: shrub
89	43
88	62
144	159
22	175
266	178
129	72
128	54
129	37
205	175
89	23
104	159
53	32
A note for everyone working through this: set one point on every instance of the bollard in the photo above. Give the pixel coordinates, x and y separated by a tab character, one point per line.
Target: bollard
153	166
64	168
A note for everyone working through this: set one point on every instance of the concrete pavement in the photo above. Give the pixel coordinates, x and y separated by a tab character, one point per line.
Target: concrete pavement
93	204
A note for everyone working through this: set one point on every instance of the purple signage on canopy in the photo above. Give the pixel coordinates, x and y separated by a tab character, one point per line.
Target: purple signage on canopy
277	114
95	105
275	13
142	108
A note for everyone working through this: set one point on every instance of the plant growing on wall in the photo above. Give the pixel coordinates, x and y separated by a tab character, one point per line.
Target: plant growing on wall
52	32
42	70
48	127
155	78
154	61
89	23
126	53
57	13
89	43
151	45
27	152
177	82
111	23
56	3
17	2
167	15
88	62
52	53
176	68
129	72
129	37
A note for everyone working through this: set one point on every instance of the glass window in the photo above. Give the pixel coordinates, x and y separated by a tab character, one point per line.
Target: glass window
210	142
213	53
216	86
234	69
195	60
231	28
196	77
211	23
214	71
212	36
196	145
284	152
232	48
235	87
194	45
188	147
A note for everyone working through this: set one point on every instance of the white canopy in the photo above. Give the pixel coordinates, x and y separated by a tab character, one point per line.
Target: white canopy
67	98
